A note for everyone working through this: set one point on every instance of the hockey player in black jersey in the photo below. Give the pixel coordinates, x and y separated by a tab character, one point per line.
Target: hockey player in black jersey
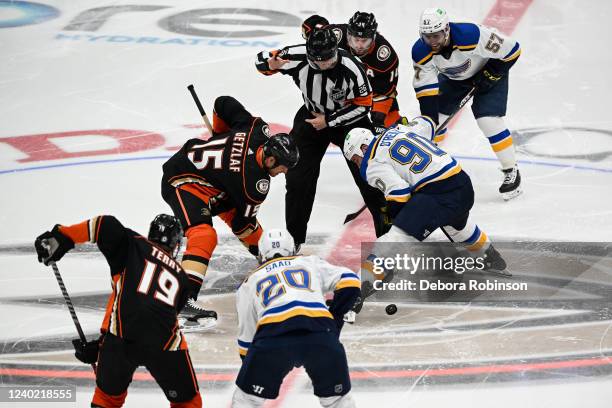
337	98
381	62
227	176
140	327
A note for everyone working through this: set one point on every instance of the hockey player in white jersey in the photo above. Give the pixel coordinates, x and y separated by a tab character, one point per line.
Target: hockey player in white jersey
283	323
450	59
424	186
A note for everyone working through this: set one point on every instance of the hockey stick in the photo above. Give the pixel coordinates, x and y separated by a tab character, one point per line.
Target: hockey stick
463	102
350	217
68	301
200	108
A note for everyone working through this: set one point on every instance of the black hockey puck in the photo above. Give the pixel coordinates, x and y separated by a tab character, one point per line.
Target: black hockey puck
391	309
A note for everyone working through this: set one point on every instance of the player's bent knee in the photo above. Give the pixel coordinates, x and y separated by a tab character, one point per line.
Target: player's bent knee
201	241
243	400
344	401
104	400
195	402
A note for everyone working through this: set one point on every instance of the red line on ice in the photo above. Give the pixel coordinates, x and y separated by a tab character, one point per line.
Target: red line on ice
369	374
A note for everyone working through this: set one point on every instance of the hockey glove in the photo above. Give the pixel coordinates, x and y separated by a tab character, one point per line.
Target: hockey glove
486	79
86	352
52	246
402	121
378	121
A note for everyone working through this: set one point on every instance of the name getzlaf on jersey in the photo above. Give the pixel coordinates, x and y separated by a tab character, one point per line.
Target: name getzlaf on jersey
403	160
287	294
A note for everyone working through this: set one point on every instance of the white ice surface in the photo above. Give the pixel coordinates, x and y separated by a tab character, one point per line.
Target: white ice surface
49	85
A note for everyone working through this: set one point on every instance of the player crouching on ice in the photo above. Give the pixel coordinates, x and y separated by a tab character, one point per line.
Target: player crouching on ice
226	176
424	186
283	323
140	327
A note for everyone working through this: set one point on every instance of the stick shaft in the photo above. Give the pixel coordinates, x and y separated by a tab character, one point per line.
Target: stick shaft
68	301
194	95
463	102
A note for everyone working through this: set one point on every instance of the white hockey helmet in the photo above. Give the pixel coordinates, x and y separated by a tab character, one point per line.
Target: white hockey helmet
275	243
433	20
356	138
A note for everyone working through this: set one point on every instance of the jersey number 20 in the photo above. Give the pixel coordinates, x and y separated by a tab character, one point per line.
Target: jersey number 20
272	287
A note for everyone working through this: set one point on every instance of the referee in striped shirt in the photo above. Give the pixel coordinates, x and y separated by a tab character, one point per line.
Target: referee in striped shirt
337	98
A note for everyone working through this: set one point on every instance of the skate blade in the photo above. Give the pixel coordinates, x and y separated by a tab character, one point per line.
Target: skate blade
203	324
512	194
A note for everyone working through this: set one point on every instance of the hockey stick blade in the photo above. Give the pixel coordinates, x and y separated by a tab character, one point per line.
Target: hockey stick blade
350	217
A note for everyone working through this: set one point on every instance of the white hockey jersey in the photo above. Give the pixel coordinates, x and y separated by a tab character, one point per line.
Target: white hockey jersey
285	288
473	45
403	160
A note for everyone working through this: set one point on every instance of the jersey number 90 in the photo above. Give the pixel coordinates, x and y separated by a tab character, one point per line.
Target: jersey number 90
414	151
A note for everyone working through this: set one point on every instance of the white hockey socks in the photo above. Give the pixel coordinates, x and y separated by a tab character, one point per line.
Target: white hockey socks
494	128
243	400
344	401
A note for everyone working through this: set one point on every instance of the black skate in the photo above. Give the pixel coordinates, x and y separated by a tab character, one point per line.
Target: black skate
195	318
494	263
511	186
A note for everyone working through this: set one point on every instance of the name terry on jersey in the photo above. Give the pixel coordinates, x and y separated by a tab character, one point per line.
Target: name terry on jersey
156	253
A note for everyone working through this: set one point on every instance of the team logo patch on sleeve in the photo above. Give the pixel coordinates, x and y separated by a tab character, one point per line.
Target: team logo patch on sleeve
338	33
383	53
265	130
263	186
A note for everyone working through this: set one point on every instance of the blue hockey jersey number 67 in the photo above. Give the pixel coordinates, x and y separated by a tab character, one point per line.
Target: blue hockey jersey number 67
414	150
272	286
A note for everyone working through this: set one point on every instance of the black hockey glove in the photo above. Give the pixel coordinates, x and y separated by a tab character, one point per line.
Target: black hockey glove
86	352
378	121
486	79
52	246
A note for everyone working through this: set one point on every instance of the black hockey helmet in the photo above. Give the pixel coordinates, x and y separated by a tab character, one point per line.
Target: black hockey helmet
166	230
312	22
322	44
282	147
362	25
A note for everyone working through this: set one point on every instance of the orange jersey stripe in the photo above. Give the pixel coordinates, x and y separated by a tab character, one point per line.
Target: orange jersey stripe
362	100
78	233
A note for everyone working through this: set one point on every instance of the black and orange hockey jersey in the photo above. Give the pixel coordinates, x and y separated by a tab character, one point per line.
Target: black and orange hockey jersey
149	287
381	61
226	171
